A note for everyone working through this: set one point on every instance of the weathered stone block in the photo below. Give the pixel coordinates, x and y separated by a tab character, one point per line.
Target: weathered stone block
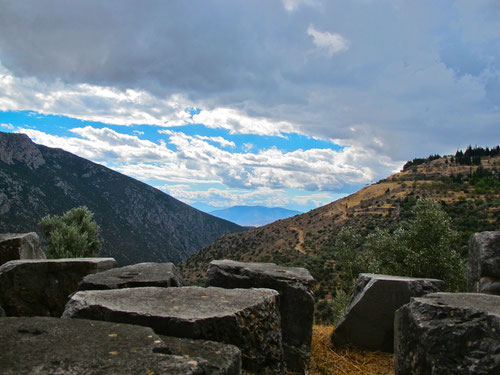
136	275
247	318
369	320
47	346
295	300
222	359
483	268
42	287
448	333
16	246
2	312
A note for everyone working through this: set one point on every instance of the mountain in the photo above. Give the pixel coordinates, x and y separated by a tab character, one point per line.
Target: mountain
138	222
466	185
254	216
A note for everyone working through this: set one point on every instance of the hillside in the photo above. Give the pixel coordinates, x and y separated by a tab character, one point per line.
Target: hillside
470	194
254	216
138	222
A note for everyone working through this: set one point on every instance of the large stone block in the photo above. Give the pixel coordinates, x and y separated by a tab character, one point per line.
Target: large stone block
448	334
136	275
483	268
295	300
222	359
246	318
16	246
42	287
47	346
369	320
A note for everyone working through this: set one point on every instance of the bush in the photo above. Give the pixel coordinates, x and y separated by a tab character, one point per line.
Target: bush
423	246
72	235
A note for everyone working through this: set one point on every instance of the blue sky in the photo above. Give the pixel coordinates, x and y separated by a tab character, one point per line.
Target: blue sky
290	103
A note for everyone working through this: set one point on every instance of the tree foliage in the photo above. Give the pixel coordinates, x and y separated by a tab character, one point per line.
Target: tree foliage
72	235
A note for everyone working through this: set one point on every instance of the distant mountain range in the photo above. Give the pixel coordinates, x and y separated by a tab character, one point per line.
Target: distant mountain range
254	216
138	222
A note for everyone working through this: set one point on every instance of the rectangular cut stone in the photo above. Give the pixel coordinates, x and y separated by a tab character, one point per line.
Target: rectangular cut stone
296	302
48	346
246	318
369	320
42	287
483	266
448	333
17	246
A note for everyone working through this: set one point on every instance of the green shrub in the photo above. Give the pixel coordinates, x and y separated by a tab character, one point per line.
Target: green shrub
72	235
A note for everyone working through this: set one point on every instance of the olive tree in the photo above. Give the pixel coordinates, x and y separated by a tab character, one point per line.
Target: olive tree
75	234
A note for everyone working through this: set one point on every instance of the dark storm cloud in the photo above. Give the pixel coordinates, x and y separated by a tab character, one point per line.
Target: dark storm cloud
411	78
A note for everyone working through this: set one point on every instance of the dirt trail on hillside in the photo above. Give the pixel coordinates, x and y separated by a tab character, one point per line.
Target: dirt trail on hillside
300	246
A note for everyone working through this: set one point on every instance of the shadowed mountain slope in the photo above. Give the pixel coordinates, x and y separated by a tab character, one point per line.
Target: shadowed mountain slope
138	222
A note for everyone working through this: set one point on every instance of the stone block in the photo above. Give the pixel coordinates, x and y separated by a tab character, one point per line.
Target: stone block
296	302
16	246
136	275
369	320
448	333
222	359
47	346
42	287
483	267
246	318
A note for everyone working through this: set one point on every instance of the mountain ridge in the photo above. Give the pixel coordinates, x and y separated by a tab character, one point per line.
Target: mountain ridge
138	222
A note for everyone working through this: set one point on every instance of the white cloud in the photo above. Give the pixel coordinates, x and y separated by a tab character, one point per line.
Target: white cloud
196	160
7	126
237	122
220	140
332	43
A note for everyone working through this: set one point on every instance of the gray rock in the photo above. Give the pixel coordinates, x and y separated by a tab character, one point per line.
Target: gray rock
137	275
2	312
448	333
296	301
223	359
47	346
15	246
483	268
247	318
42	287
369	320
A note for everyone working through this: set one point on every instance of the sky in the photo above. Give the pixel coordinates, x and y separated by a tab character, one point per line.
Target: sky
290	103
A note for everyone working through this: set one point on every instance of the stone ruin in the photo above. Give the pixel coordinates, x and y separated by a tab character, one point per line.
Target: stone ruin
296	303
448	333
18	246
369	320
483	268
190	330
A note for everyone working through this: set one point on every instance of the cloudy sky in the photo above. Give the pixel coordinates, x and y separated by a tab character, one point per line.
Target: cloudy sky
290	103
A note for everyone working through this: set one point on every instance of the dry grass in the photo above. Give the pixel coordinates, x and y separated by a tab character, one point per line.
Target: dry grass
325	360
